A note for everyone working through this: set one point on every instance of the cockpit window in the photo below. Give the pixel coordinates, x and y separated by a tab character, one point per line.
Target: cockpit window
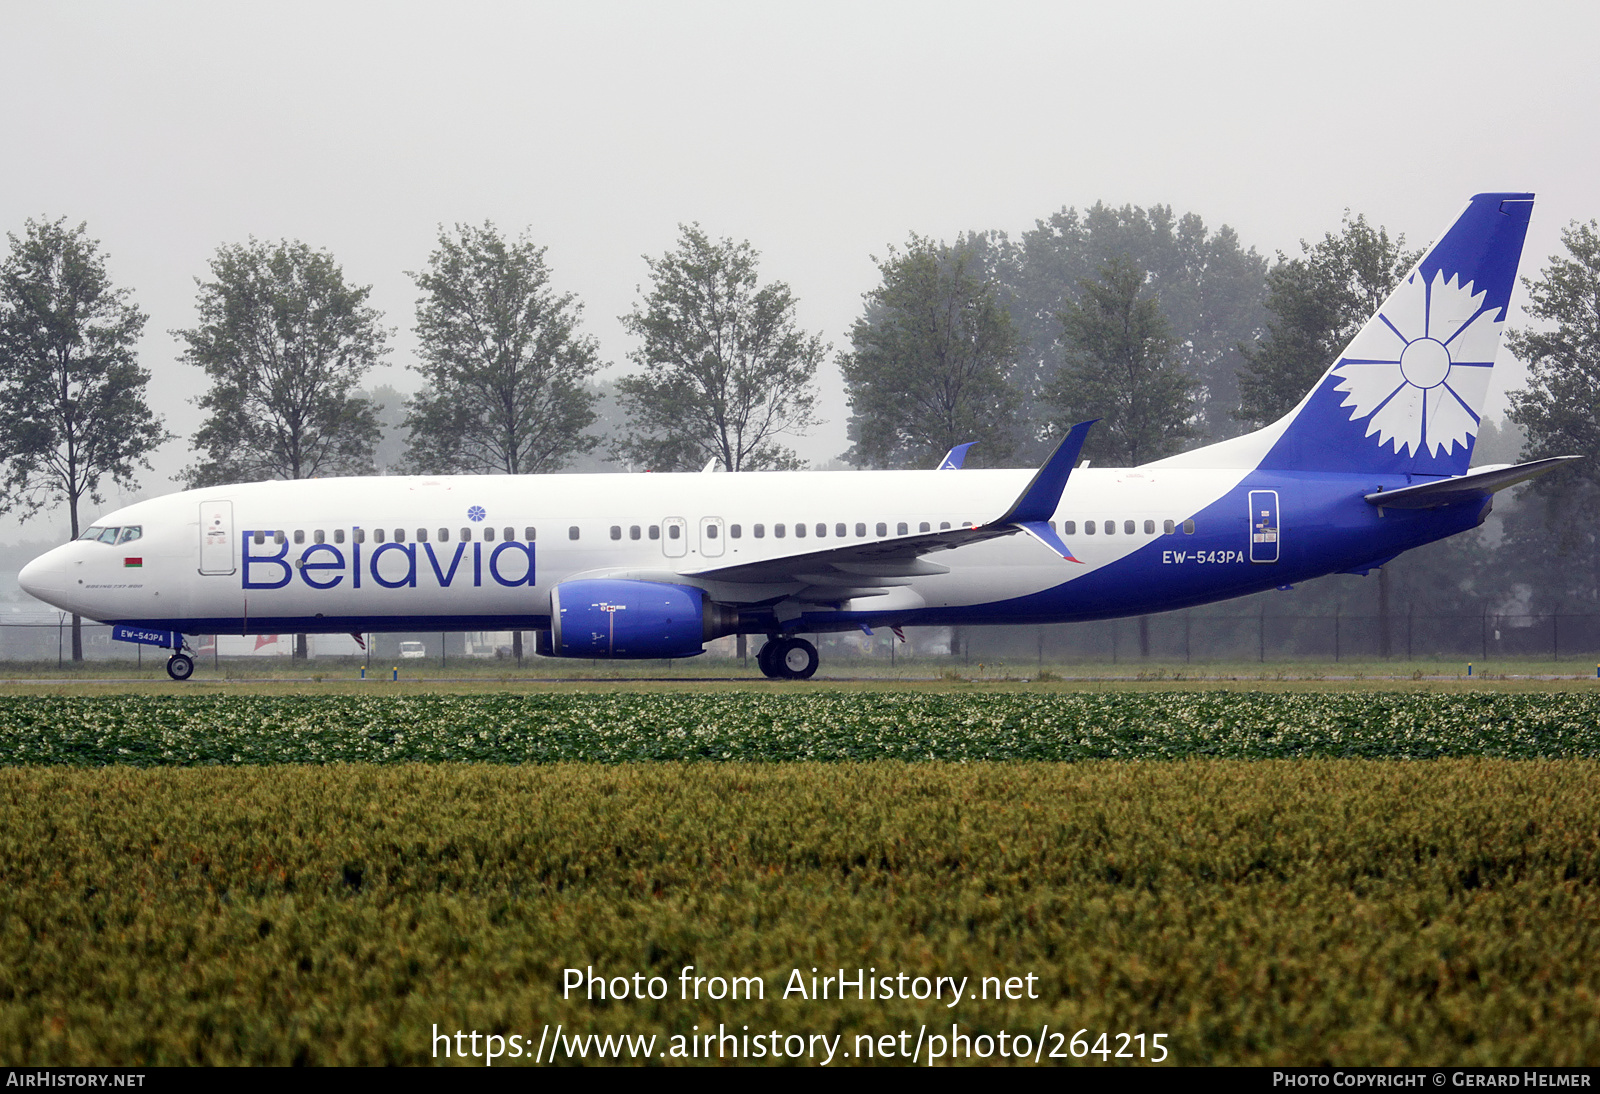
130	533
109	535
91	533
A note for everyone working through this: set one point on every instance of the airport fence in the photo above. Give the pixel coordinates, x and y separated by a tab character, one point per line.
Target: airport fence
1171	637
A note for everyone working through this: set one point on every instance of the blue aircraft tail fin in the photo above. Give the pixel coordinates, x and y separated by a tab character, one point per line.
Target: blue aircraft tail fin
1406	394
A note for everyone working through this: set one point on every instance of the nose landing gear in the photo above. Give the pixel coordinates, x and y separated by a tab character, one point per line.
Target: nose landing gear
180	666
787	659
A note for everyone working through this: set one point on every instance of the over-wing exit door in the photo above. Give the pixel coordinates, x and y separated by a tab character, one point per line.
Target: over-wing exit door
1264	526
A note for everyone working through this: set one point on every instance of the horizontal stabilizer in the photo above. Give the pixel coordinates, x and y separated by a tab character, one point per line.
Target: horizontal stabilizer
1474	484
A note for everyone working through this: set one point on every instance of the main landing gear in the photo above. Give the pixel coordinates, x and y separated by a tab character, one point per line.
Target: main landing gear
788	659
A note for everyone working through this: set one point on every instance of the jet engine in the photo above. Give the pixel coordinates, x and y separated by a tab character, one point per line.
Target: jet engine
623	618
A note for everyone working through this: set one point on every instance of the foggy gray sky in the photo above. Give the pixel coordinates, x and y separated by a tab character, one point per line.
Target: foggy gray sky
820	132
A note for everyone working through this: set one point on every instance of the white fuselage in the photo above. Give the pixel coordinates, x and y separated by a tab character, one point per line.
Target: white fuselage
444	557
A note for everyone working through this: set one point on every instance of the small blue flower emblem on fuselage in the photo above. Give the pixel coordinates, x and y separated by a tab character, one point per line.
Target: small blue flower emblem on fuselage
476	513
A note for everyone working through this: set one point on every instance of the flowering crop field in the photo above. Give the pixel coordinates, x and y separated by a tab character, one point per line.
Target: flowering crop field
622	727
213	880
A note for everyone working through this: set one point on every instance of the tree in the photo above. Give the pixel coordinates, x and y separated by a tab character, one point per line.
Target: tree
286	342
726	370
1318	303
1119	367
389	403
72	396
1209	288
505	365
1560	407
929	360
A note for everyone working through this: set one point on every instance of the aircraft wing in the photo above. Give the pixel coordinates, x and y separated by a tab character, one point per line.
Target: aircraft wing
1480	482
835	574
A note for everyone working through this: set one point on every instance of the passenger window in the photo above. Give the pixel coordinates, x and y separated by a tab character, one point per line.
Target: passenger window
131	533
944	526
1168	528
422	535
338	535
734	531
466	535
1069	527
1149	527
377	535
1088	527
778	530
488	534
299	536
260	537
822	531
711	531
444	535
633	531
901	528
616	531
530	534
655	531
358	535
673	531
277	537
318	537
509	534
924	527
841	530
1188	527
759	531
799	531
883	529
861	529
572	532
1111	527
399	535
1128	527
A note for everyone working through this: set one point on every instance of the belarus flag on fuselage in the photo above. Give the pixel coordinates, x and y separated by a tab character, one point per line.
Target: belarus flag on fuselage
132	561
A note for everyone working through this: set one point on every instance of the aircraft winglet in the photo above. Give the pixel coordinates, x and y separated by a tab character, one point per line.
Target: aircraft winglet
1041	531
954	458
1038	501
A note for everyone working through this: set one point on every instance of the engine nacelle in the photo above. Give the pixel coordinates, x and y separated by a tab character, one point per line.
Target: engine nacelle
622	618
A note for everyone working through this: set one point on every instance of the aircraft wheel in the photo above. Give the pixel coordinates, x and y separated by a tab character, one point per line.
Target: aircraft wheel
180	666
766	658
797	659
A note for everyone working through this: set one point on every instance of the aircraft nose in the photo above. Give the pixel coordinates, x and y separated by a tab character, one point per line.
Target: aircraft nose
41	577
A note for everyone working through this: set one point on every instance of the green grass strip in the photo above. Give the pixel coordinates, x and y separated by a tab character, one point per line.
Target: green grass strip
827	726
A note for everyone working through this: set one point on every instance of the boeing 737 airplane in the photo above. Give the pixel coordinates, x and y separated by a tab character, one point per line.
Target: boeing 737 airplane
1374	461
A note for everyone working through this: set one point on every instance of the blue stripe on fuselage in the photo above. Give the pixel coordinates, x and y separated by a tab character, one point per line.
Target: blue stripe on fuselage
1326	526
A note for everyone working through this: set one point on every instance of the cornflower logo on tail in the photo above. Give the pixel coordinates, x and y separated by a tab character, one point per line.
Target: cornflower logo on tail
1420	368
